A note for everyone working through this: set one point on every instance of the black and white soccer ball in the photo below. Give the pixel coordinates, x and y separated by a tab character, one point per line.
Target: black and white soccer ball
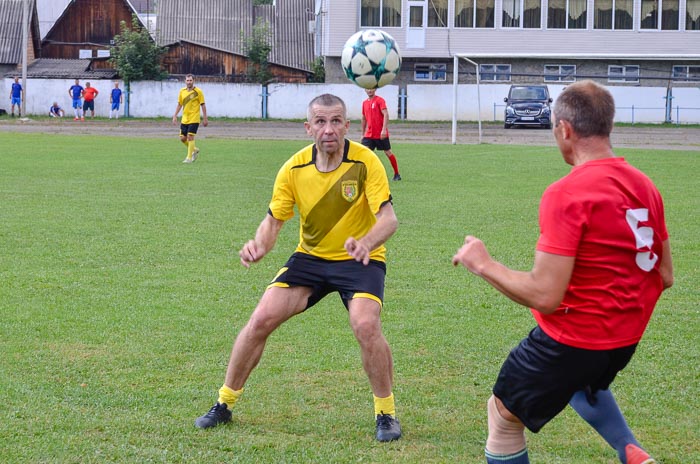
371	58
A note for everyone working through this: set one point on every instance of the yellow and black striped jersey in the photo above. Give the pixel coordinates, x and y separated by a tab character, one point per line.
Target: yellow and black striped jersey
191	101
332	205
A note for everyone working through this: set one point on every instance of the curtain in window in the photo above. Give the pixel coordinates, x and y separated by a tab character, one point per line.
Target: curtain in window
485	13
650	16
391	13
464	13
532	14
669	15
511	13
577	14
692	15
556	14
624	14
437	13
602	14
369	13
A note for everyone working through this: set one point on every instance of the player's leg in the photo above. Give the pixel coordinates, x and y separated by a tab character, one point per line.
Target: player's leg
385	145
506	441
377	362
275	307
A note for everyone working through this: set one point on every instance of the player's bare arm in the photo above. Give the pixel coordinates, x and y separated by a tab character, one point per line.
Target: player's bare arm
666	267
360	249
385	128
205	120
265	238
542	288
177	111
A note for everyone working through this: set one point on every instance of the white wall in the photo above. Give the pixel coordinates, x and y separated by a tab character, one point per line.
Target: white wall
289	101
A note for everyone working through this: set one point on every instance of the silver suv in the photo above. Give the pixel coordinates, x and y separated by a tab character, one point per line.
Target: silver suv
528	105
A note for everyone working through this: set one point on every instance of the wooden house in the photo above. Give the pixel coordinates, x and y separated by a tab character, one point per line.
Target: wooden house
86	30
210	40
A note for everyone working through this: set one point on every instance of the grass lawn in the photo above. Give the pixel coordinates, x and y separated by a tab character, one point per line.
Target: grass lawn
121	292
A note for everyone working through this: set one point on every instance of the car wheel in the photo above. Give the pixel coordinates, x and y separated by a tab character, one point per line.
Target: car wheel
548	126
507	126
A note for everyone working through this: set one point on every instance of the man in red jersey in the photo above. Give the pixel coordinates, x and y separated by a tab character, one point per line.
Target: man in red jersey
375	127
602	260
89	94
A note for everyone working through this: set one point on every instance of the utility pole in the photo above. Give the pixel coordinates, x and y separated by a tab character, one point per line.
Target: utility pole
25	44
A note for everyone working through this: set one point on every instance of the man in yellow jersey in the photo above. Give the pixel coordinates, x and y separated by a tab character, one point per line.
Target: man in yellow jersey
341	191
190	100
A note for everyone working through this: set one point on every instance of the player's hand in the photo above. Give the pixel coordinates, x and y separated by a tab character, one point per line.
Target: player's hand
357	250
205	122
174	119
472	255
250	253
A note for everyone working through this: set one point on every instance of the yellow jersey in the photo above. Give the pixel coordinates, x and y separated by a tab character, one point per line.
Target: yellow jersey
191	101
332	205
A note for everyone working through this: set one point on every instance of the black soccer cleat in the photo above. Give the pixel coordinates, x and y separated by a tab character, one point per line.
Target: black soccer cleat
388	428
397	177
218	414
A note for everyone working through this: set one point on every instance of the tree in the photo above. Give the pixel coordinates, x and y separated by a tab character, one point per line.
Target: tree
136	56
258	49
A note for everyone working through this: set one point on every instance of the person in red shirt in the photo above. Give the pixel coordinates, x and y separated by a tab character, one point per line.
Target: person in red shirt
89	94
602	260
375	127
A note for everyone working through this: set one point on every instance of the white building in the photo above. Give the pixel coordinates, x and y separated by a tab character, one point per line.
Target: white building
654	43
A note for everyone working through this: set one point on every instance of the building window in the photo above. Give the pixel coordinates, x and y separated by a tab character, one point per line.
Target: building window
629	74
529	10
692	15
567	14
474	13
494	72
384	13
437	13
560	73
430	72
686	73
613	14
660	14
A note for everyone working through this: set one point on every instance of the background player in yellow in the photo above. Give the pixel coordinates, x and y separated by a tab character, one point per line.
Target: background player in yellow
190	100
341	191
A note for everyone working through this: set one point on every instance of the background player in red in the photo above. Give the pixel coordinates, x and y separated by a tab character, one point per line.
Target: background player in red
375	127
602	260
89	95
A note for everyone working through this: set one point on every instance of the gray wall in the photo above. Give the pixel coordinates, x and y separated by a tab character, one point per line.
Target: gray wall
288	101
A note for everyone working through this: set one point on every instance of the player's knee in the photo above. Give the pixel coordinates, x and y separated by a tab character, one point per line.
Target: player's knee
505	437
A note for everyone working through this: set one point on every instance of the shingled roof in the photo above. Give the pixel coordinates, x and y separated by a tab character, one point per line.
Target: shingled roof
47	68
11	12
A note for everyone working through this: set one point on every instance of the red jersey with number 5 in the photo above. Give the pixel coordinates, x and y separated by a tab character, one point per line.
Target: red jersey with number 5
610	216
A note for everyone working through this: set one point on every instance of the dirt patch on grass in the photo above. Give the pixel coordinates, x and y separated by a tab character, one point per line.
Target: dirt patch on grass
666	138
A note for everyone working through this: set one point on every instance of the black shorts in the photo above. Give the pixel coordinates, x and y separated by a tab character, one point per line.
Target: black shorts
540	376
351	279
377	144
89	105
189	128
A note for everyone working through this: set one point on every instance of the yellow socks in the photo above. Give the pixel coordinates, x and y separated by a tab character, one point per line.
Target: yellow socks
384	405
229	396
190	148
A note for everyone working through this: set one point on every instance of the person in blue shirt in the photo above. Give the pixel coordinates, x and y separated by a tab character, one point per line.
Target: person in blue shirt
55	111
116	98
16	95
75	92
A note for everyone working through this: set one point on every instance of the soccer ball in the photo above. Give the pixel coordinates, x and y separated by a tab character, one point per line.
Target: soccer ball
371	58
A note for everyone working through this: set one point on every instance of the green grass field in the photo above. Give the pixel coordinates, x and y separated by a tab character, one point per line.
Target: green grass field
121	292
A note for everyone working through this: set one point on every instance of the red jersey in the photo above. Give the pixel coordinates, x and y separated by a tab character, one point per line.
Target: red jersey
372	111
610	216
89	93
